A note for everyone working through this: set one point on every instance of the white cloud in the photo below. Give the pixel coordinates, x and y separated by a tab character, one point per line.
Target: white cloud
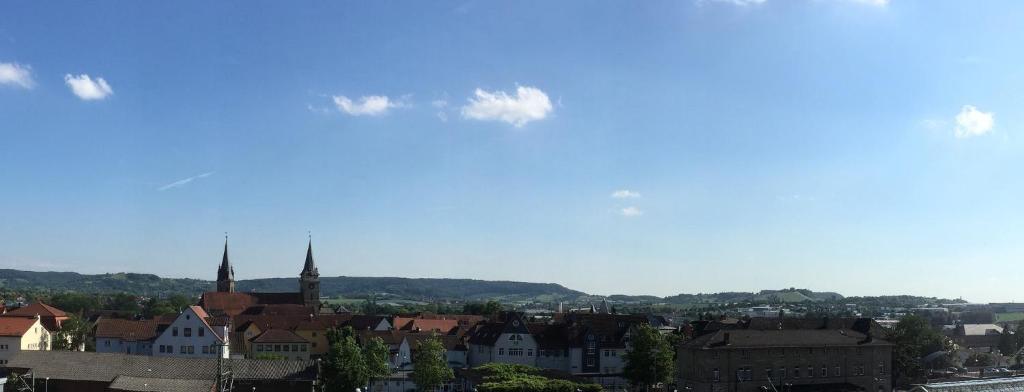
439	103
373	105
631	211
184	181
973	122
625	194
87	89
529	104
15	74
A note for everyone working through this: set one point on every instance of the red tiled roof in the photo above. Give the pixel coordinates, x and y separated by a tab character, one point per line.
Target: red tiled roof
39	308
130	330
278	336
15	326
426	325
229	303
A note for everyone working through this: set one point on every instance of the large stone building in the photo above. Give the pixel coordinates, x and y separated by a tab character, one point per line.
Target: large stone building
227	302
787	355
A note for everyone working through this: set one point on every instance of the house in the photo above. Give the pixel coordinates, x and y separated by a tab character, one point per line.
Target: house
773	354
101	372
976	335
312	328
127	336
280	343
50	316
193	334
506	340
18	334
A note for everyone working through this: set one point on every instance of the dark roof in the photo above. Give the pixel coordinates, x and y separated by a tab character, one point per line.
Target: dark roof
130	330
233	304
309	268
450	342
550	336
91	366
756	338
278	336
145	384
225	272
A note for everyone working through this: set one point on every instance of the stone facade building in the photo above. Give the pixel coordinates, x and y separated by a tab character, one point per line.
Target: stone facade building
787	355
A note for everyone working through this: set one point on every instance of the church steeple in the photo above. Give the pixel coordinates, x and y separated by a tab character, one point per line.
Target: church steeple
225	274
309	279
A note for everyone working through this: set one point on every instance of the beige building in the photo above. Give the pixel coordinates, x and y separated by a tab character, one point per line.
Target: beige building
21	334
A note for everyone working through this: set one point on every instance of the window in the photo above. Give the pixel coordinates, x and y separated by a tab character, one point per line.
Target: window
188	332
501	351
796	372
782	373
191	349
295	347
302	347
824	371
614	353
607	353
529	352
183	350
716	376
206	349
767	373
810	371
881	368
162	349
174	331
745	354
277	347
105	343
259	348
314	344
836	372
170	349
590	362
202	332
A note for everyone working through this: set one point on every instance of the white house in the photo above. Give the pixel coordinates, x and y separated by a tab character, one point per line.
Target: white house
508	341
192	335
21	334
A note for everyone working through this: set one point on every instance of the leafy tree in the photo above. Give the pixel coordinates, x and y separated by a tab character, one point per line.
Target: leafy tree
1007	342
489	308
344	367
270	356
376	353
74	334
429	365
123	302
505	377
649	359
914	338
171	305
75	302
979	360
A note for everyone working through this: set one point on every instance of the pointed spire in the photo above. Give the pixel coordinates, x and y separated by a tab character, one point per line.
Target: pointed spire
225	274
225	265
310	267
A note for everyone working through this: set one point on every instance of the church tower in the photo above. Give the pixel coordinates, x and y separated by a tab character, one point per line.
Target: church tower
309	280
225	274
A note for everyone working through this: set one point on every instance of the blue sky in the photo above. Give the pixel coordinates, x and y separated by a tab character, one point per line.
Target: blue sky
866	147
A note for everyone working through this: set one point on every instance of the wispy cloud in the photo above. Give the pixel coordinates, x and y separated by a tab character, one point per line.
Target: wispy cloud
528	104
631	211
371	105
88	89
972	122
625	194
184	181
441	105
14	74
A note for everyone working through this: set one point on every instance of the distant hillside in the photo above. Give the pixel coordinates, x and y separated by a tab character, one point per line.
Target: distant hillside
764	296
152	285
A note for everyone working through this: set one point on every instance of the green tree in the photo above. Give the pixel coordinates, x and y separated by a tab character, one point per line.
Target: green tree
75	302
914	338
429	365
649	359
74	334
123	302
344	367
376	353
1007	342
979	360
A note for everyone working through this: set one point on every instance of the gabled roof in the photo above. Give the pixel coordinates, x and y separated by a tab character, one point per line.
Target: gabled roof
426	325
37	308
233	304
278	336
16	326
450	342
129	330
